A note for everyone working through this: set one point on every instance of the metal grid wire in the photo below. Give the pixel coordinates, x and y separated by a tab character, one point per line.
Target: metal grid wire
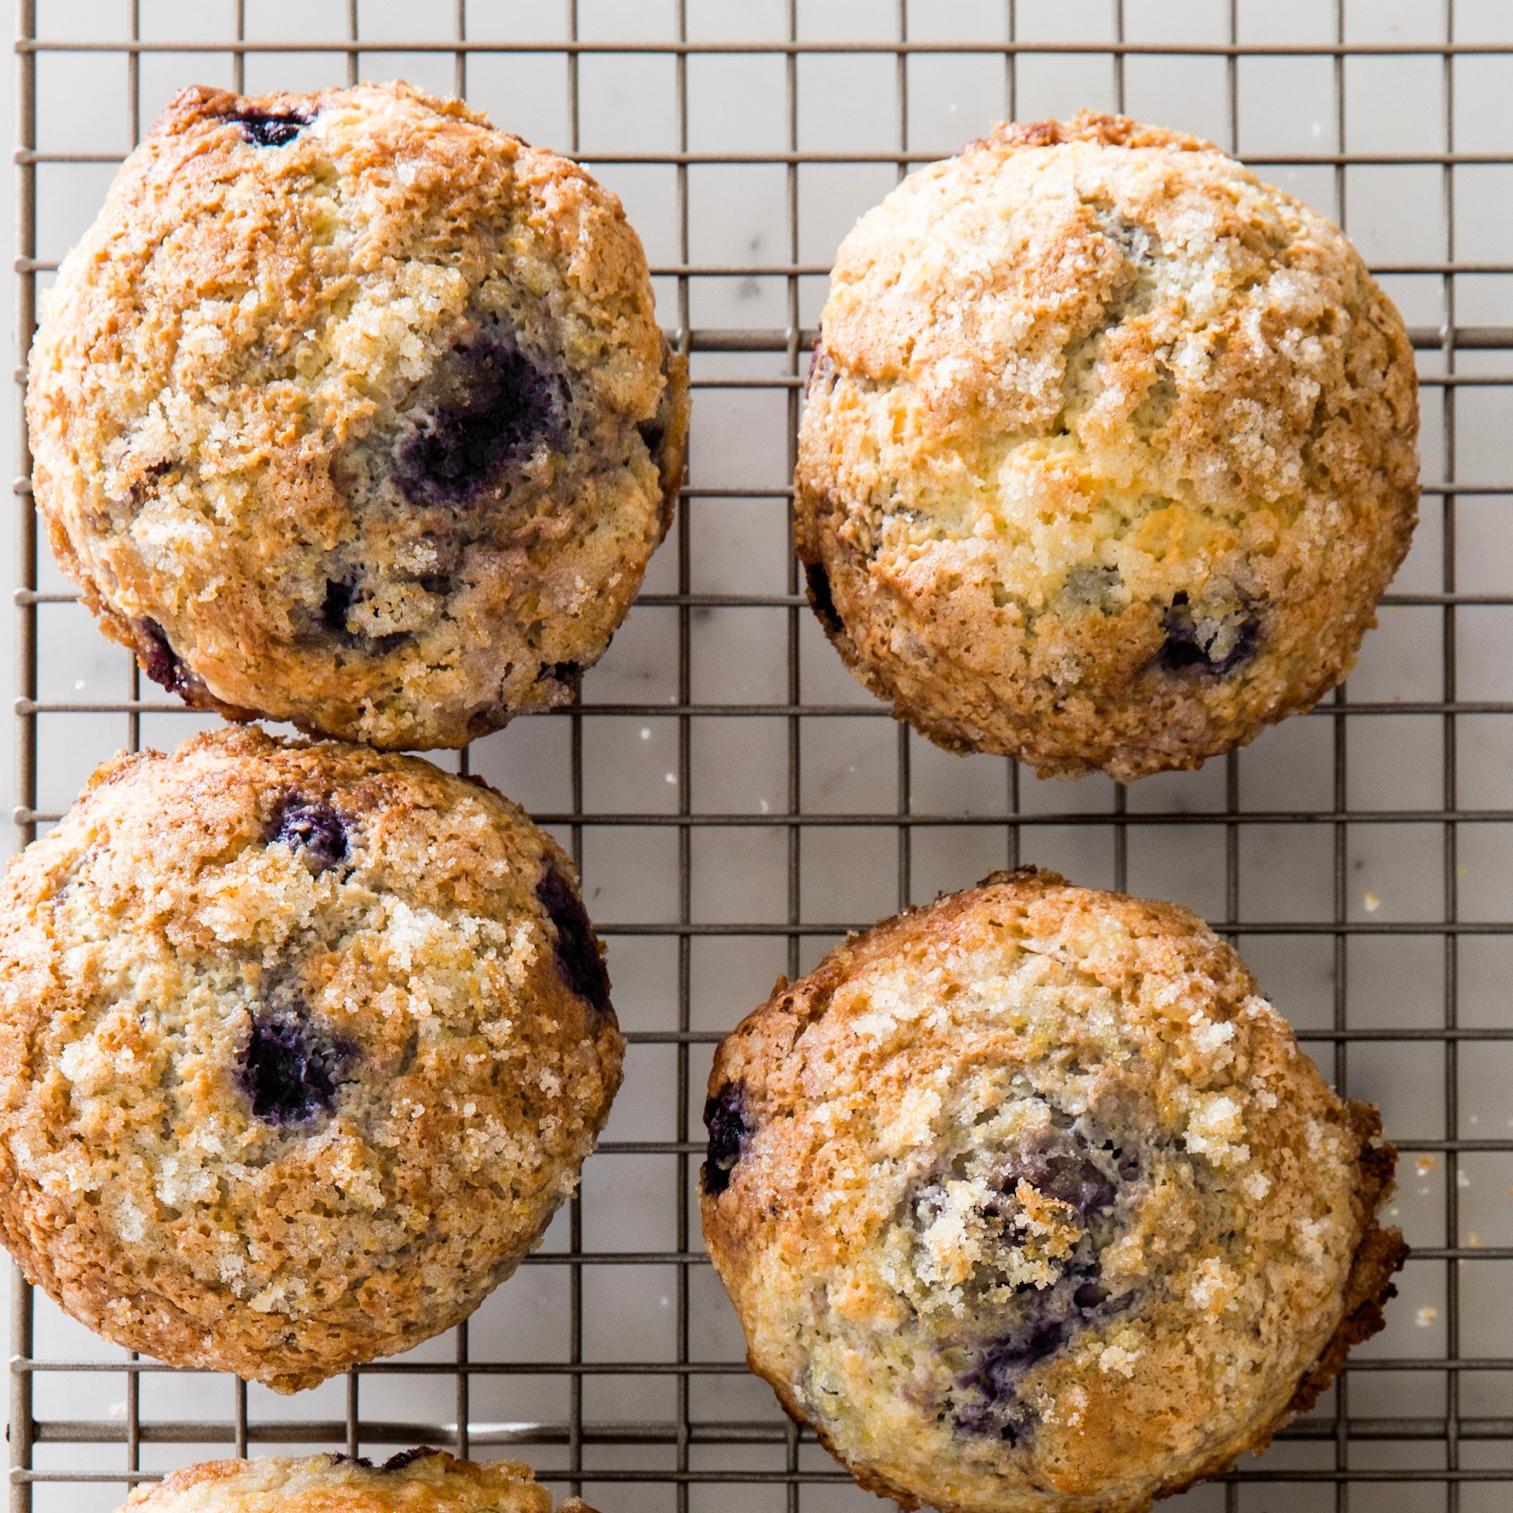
1424	1414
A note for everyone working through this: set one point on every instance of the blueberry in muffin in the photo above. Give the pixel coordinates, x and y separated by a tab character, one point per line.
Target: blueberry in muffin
301	1047
1109	450
414	1481
352	410
1027	1200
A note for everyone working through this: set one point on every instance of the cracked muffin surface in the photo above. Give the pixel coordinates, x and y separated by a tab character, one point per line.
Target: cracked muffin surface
1108	452
301	1047
352	410
1028	1202
414	1481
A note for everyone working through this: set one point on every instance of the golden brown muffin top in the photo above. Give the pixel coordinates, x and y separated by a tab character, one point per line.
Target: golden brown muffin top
353	410
1109	449
415	1481
1028	1201
301	1046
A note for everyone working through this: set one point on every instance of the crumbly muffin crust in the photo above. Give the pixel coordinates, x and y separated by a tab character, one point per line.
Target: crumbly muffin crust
301	1047
352	410
1027	1202
414	1481
1109	450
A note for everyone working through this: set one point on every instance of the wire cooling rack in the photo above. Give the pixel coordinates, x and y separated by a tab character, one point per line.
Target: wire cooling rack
736	803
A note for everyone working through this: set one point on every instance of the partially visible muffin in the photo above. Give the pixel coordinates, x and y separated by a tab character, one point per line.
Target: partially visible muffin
301	1047
352	410
1108	451
414	1481
1028	1201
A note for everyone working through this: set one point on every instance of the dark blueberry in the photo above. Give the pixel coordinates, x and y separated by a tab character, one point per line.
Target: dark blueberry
728	1121
1090	1295
1191	641
267	128
290	1070
496	403
1044	1341
1068	1179
993	1406
653	435
316	829
1038	1322
578	961
140	488
334	608
820	597
405	1457
1079	1183
159	660
560	672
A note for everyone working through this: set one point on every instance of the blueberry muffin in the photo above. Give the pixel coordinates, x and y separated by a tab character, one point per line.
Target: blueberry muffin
1108	453
352	410
414	1481
1027	1201
301	1047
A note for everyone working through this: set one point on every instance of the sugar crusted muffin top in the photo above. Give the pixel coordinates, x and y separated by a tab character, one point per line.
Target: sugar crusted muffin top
352	410
1027	1201
301	1046
414	1481
1109	450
